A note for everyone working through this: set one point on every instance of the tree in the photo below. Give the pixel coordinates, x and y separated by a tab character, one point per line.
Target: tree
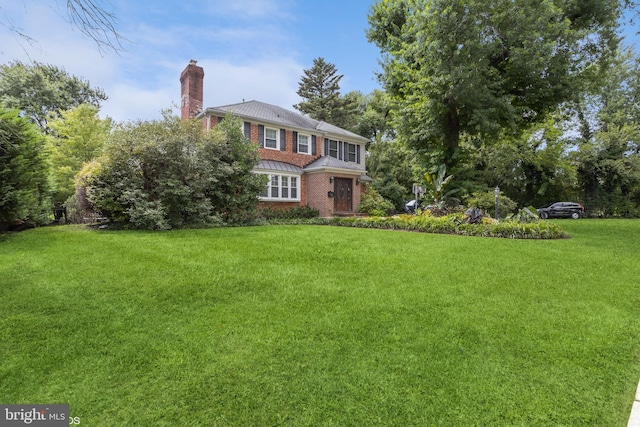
77	136
320	90
373	117
92	19
391	166
24	172
531	168
608	154
42	91
482	68
173	173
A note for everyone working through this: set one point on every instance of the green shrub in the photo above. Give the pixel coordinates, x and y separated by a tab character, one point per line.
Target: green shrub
453	224
487	202
373	203
173	173
298	212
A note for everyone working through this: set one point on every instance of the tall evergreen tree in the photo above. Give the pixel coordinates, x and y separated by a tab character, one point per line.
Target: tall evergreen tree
24	171
320	90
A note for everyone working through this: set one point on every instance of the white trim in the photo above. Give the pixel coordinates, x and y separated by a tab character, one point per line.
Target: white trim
277	131
309	142
293	182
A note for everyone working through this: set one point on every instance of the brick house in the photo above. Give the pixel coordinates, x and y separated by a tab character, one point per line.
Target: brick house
308	162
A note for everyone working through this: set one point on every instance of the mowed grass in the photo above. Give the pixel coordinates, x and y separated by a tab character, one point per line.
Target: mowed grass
322	326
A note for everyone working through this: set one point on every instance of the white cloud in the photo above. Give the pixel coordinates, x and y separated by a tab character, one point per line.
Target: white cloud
130	103
145	79
274	81
249	9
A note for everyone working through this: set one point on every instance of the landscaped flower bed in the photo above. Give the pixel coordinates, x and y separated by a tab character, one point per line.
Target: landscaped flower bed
451	224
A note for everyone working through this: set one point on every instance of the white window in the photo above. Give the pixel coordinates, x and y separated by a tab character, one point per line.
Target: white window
271	138
303	144
275	186
294	187
281	187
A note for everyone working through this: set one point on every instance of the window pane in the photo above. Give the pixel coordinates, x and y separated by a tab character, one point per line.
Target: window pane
294	187
303	144
333	148
352	152
274	185
270	138
285	187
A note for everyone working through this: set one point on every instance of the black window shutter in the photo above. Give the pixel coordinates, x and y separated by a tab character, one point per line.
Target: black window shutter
340	150
313	145
358	154
247	130
261	136
295	142
283	140
326	146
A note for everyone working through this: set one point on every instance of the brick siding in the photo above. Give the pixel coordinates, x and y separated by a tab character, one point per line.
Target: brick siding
314	187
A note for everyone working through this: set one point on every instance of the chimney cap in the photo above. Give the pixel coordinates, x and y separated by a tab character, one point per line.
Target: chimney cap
193	61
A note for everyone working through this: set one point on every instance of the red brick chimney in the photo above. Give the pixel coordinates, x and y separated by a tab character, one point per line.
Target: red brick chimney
191	81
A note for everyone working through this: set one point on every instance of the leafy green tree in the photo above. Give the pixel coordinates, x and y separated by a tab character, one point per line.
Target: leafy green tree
24	171
76	137
320	90
481	68
391	166
373	117
42	91
173	173
608	155
532	168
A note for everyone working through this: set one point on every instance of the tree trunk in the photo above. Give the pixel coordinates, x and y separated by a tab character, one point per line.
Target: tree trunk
452	135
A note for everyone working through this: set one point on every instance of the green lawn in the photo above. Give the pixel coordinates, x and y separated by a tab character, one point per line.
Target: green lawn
318	325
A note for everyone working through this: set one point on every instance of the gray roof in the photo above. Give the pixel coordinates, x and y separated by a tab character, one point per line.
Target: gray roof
279	116
272	165
331	162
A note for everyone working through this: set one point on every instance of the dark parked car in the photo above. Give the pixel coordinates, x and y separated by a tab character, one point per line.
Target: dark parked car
562	210
411	206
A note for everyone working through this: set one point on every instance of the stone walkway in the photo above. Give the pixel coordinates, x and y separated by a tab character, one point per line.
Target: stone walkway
634	419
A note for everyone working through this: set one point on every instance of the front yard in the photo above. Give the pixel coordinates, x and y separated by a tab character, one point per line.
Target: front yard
317	325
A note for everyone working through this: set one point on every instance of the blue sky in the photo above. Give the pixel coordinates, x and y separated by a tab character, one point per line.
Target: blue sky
249	49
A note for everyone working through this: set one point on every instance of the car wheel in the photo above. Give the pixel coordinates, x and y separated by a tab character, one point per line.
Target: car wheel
544	215
575	215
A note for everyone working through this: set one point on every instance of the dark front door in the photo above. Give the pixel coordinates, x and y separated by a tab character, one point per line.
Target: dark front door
342	195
